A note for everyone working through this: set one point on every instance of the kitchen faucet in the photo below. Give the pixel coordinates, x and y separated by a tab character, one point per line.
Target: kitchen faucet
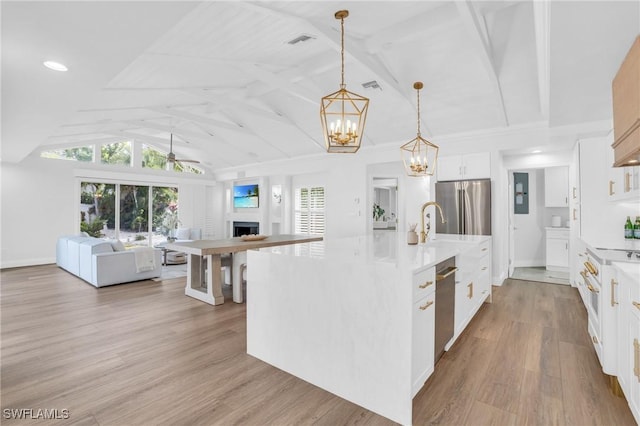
423	234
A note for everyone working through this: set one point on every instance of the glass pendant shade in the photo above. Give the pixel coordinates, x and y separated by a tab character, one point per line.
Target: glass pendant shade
343	114
419	155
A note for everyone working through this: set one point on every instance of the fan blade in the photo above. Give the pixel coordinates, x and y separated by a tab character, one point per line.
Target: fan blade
188	161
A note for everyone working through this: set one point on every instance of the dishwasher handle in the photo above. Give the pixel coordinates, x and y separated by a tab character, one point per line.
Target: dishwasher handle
445	273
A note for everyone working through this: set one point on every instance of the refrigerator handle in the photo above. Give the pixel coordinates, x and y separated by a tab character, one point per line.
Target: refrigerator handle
461	211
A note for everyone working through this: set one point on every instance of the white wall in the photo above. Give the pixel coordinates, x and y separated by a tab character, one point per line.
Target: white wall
529	235
40	202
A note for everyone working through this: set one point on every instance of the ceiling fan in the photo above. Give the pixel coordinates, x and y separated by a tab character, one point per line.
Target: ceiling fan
171	157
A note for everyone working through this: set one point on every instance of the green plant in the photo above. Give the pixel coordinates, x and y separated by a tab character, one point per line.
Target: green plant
140	237
94	228
378	212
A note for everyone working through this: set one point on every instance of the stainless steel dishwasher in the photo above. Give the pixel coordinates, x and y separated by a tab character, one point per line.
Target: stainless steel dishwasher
445	304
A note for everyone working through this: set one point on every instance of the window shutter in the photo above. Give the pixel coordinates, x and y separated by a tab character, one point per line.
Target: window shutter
309	211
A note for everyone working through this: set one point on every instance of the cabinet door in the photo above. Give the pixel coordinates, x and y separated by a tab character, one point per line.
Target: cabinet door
423	341
633	351
476	166
625	366
556	187
558	252
449	168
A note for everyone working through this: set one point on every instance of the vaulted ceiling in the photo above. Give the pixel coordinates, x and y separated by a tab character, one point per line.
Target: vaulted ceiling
227	79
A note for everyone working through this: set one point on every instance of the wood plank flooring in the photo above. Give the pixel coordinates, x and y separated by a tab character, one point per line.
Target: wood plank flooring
144	353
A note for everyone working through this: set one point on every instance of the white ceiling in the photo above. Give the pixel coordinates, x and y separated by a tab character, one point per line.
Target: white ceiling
222	77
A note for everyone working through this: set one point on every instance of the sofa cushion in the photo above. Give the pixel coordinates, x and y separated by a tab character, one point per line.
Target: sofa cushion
117	245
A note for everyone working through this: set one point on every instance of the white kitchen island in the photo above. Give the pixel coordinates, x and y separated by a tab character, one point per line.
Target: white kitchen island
354	316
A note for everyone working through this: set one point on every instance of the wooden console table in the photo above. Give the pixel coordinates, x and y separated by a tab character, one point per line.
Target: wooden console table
209	288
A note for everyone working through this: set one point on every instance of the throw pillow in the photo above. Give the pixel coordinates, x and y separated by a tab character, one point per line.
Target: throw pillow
117	245
183	233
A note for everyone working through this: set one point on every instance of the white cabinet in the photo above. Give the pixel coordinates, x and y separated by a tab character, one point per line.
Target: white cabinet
624	182
423	341
473	284
423	333
628	343
556	186
557	249
467	166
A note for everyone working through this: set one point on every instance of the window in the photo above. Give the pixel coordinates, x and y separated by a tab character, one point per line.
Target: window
97	209
83	153
116	153
309	211
134	214
153	158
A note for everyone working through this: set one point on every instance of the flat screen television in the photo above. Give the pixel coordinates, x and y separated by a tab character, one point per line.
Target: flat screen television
246	196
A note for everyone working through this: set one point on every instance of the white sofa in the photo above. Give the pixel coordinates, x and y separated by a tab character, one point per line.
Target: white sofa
95	261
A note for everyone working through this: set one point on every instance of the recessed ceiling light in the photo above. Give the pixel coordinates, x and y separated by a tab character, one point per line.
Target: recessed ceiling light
536	151
56	66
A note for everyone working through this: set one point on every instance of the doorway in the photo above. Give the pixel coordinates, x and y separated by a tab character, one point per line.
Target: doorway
385	204
530	217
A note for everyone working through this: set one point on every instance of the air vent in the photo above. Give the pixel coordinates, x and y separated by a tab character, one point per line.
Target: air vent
301	38
371	85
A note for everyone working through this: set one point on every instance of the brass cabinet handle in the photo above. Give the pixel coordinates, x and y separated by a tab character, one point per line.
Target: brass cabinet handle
627	182
636	349
611	191
470	285
636	304
592	289
584	274
425	285
613	297
574	215
484	249
574	193
451	270
592	269
426	305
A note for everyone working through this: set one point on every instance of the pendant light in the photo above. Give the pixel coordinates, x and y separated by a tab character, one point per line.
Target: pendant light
419	155
343	113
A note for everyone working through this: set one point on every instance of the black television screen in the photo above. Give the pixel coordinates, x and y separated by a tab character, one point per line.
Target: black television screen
245	196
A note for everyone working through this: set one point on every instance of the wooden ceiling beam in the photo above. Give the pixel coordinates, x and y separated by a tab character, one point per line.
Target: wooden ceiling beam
479	36
541	19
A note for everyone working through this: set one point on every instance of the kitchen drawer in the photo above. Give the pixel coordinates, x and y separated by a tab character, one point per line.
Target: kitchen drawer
595	340
560	233
423	341
424	283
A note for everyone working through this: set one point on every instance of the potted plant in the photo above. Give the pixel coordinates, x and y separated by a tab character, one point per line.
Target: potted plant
170	221
378	212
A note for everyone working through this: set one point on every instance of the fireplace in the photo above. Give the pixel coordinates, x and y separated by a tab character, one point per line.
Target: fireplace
245	228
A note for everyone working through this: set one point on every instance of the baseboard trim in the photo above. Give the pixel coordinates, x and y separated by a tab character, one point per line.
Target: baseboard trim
26	262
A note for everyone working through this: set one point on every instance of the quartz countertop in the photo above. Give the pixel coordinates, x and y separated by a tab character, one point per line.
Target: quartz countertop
389	248
632	270
612	243
613	249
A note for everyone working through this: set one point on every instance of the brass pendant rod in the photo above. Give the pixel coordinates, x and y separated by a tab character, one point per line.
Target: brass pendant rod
418	92
342	86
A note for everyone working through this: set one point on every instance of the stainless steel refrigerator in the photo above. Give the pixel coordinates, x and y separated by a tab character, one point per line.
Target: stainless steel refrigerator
466	205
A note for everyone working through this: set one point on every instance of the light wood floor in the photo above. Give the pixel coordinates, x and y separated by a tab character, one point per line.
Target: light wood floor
144	353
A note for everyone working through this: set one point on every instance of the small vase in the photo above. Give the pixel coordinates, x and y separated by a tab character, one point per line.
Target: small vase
412	238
